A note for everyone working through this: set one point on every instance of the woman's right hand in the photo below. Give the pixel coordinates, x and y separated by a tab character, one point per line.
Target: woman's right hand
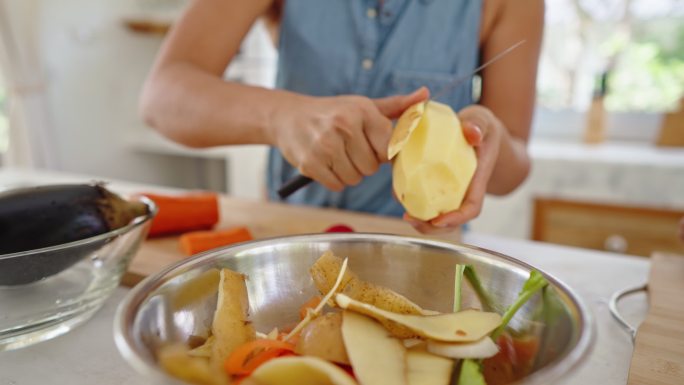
338	140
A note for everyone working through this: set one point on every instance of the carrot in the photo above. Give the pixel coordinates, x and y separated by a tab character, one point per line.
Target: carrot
181	213
310	304
249	356
198	241
265	356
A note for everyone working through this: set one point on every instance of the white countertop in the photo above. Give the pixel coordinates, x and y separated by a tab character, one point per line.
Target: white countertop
87	355
618	153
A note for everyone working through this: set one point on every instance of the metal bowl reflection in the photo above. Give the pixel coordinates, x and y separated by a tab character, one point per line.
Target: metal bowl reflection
279	283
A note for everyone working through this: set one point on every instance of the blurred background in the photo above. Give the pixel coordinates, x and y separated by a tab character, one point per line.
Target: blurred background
607	140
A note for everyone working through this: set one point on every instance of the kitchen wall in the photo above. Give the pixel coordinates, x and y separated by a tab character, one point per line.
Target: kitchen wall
95	69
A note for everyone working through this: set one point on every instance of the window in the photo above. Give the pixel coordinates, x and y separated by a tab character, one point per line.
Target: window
639	44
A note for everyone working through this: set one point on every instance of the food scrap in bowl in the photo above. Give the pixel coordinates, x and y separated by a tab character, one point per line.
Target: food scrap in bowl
356	333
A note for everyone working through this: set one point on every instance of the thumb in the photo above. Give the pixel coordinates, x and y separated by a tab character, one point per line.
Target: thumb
393	106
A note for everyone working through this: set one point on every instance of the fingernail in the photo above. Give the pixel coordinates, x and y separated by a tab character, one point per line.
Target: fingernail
475	127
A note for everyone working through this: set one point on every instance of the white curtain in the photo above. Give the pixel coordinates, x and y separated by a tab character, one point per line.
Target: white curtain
30	133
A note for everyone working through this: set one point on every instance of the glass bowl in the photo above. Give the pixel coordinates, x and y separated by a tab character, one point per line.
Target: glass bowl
279	283
74	280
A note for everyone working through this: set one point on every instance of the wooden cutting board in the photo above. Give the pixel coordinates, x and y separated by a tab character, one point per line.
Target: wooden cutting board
264	220
658	357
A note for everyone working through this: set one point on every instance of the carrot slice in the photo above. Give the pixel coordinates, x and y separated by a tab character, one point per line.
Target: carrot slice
181	213
265	356
199	241
239	361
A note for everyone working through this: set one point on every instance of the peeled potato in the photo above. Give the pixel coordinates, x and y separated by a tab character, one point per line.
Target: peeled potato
434	163
322	338
300	371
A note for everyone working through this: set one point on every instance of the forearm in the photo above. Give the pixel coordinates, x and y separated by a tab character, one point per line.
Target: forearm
198	109
512	165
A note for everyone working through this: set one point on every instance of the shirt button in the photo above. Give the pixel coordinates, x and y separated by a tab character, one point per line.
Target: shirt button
371	13
367	64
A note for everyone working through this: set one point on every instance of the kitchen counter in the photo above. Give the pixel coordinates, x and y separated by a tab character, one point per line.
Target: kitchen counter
624	174
87	355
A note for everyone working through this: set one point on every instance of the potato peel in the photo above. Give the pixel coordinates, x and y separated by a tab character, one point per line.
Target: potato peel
311	314
231	327
407	123
483	348
376	357
464	326
428	369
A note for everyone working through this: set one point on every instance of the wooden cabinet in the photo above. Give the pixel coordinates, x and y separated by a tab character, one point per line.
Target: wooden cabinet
630	230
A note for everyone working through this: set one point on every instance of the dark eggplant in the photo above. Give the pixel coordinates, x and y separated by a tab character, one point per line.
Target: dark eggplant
38	217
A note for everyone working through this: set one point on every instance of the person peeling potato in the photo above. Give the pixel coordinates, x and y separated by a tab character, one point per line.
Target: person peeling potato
346	70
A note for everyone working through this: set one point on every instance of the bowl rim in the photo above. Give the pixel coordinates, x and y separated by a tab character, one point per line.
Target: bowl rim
548	374
152	210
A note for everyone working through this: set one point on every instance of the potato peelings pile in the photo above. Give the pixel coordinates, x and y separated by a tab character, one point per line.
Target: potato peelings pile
370	335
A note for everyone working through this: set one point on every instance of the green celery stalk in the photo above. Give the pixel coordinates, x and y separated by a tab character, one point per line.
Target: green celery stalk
471	373
534	283
487	302
458	280
471	370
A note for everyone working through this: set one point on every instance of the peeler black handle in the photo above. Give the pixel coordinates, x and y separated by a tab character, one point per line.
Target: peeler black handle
293	185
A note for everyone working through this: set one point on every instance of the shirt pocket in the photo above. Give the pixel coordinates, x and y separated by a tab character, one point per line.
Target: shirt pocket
442	83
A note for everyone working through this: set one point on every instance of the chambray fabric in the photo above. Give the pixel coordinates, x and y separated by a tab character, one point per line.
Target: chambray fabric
338	47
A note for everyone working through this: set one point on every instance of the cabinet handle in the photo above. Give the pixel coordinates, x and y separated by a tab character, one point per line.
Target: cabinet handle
615	243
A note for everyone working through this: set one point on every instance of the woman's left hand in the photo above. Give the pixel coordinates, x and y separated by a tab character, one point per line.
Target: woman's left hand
484	132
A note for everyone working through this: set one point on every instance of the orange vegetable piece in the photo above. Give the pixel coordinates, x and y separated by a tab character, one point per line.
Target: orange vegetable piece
249	356
182	213
514	361
199	241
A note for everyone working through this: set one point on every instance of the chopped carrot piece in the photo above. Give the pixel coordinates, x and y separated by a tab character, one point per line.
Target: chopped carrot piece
310	304
265	356
181	213
239	362
199	241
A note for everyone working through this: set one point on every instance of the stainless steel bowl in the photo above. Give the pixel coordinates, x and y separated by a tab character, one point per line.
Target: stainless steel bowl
76	279
279	283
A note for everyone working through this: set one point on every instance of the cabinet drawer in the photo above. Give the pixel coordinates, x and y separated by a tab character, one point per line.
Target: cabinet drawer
630	230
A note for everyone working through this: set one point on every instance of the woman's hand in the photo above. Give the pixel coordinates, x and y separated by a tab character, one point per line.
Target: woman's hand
338	140
483	131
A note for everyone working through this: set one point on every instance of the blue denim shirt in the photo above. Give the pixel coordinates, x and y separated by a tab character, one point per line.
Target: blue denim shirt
337	47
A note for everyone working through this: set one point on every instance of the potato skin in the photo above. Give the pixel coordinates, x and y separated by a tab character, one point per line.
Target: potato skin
322	338
231	326
324	273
